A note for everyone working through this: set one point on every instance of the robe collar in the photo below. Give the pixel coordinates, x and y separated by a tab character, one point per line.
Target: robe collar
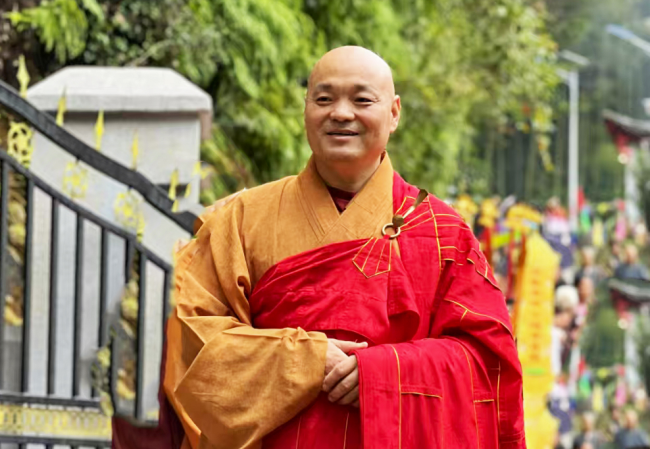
369	210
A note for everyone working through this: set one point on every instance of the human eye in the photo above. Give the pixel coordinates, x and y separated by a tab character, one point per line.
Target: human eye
323	98
364	100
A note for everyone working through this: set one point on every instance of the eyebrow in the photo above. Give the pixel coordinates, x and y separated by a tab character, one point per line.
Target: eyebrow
327	87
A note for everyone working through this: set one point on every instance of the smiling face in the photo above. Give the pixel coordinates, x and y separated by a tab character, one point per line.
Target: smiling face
351	107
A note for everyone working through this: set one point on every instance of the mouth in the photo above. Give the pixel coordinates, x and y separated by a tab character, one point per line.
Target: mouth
343	133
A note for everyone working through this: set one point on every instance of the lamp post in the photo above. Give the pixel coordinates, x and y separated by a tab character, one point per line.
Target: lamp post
629	36
571	78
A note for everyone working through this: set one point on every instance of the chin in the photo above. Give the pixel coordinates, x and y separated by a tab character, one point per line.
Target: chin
343	154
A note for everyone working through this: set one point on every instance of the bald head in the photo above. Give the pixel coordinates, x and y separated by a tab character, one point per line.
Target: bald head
350	112
357	61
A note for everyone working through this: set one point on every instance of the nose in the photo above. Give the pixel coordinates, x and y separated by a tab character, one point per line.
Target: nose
342	111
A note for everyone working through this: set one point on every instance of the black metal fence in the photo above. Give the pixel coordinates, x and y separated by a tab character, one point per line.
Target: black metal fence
27	417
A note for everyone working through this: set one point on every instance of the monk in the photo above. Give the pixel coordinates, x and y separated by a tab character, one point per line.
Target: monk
343	307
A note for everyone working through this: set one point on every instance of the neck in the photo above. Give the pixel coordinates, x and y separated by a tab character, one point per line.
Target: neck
345	176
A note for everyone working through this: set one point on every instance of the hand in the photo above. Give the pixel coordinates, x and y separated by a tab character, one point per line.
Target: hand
337	351
342	383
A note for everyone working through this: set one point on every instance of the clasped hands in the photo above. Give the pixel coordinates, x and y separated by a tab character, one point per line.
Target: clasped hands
342	372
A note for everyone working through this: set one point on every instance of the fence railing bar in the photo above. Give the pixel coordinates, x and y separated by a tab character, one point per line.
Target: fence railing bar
12	397
78	318
4	268
115	347
103	287
128	259
54	278
90	216
102	335
46	125
51	441
27	289
142	291
166	306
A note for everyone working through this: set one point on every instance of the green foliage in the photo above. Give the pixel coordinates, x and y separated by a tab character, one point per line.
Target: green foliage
458	64
231	170
603	340
61	24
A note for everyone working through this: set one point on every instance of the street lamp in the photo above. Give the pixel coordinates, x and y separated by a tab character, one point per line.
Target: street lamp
571	78
629	36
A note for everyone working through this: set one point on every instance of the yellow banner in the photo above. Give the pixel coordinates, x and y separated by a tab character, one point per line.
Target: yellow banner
533	323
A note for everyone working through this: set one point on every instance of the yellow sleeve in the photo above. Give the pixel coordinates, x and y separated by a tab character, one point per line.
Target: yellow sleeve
227	380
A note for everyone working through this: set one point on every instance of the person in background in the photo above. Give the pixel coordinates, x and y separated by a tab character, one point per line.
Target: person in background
631	436
586	295
588	266
614	425
566	301
615	255
589	436
631	268
560	406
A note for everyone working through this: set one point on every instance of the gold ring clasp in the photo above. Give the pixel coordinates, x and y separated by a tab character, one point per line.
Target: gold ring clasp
390	225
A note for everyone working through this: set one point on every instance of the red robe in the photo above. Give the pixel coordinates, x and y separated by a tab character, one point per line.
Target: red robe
441	370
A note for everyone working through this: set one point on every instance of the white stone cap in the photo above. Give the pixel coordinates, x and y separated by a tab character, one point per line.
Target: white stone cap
119	89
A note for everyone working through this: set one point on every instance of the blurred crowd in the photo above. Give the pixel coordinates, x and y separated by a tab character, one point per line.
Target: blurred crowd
599	408
595	407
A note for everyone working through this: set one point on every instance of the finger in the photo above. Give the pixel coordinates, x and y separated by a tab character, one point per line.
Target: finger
347	346
345	386
341	370
334	357
351	397
333	361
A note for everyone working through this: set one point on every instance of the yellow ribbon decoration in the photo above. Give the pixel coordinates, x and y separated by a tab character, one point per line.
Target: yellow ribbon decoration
197	168
19	143
128	212
62	108
135	150
23	76
99	130
173	184
75	180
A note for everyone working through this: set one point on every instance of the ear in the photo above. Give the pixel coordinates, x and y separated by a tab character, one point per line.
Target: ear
395	112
